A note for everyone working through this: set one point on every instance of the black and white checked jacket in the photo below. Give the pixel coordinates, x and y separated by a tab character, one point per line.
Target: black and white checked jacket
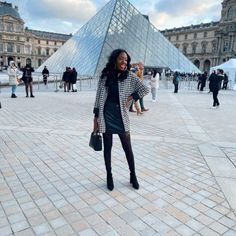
129	86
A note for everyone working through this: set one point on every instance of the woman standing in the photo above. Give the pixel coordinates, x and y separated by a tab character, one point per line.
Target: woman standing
13	78
117	87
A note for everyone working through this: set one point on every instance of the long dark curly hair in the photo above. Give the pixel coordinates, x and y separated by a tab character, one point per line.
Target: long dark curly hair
109	72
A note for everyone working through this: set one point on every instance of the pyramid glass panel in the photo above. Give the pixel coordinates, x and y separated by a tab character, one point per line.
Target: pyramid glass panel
118	25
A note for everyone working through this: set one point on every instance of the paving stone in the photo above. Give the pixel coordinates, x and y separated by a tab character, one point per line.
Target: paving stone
52	183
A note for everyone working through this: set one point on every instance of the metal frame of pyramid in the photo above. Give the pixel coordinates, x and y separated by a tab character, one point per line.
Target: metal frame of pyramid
117	25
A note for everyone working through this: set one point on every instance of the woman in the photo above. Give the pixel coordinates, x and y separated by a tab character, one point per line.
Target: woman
154	84
117	87
28	79
13	78
176	82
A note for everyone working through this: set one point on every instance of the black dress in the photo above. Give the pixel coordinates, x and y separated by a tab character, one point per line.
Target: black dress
112	112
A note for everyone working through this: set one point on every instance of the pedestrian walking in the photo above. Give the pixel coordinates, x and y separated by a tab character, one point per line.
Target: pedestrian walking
225	81
45	74
154	84
203	81
176	79
215	81
13	74
117	87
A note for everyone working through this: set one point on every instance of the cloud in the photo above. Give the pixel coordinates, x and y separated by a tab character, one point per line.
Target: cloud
67	10
179	13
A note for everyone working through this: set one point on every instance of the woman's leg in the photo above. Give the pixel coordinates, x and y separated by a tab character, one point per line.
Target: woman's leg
31	89
107	141
126	144
26	90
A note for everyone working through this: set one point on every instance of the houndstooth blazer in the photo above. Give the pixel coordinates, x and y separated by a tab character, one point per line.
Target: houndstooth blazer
132	84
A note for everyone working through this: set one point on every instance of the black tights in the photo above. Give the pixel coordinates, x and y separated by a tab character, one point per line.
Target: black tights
126	144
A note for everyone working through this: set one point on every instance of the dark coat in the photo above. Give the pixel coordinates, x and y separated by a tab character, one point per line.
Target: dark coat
66	76
73	76
27	73
215	82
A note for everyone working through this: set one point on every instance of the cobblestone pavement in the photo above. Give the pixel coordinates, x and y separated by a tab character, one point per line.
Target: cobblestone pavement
52	183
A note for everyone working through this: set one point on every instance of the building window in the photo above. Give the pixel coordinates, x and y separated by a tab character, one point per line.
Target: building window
213	43
38	41
194	47
55	43
18	38
39	62
47	42
10	27
18	49
177	37
230	14
1	47
185	49
204	45
55	49
205	34
177	46
195	35
47	52
39	51
1	26
185	36
27	39
10	47
226	45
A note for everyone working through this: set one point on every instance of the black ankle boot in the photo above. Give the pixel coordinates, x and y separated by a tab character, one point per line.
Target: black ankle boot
134	181
110	184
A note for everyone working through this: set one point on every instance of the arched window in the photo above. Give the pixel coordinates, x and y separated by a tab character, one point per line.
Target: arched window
230	14
197	63
207	65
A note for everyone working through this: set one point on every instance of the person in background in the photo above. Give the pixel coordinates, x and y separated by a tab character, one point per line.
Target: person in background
117	87
154	82
139	73
203	80
45	74
66	79
176	79
225	81
13	74
28	79
74	80
215	82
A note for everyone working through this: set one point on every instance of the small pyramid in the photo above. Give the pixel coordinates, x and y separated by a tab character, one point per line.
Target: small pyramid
117	25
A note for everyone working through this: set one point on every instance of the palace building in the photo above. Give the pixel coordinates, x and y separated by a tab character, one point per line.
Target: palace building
21	44
208	44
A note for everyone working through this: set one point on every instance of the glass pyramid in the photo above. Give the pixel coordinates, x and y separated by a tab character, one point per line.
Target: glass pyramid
117	25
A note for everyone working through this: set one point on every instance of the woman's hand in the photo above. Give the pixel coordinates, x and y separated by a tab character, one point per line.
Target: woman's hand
128	100
95	124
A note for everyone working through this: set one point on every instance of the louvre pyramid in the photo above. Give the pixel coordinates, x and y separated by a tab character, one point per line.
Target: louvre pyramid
117	25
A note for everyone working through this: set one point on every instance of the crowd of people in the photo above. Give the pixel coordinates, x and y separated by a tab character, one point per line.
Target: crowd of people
69	79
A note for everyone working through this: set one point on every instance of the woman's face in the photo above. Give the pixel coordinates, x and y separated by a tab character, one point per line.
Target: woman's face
121	62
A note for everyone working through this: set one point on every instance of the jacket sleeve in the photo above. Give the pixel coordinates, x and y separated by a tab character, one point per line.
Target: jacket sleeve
140	89
97	100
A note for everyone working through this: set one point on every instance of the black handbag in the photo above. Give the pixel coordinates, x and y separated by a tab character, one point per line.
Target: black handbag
95	141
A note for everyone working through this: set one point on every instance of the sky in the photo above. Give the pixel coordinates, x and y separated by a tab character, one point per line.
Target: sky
67	16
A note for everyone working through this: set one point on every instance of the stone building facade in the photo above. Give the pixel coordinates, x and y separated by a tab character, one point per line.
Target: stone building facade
208	44
24	45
